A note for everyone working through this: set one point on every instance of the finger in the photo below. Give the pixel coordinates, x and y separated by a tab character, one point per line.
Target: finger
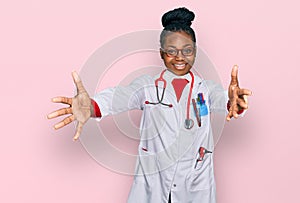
233	110
245	97
78	82
229	116
64	100
78	131
60	112
234	74
242	103
64	122
235	115
244	92
233	94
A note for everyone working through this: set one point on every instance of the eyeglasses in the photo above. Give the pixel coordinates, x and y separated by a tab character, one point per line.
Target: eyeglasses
172	52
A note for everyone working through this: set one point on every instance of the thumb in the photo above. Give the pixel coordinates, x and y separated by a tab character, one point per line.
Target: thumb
234	76
78	131
78	82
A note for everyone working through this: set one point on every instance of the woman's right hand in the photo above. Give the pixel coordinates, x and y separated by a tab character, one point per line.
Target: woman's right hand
79	107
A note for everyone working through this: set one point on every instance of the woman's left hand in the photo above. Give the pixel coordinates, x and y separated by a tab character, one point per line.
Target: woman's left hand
237	96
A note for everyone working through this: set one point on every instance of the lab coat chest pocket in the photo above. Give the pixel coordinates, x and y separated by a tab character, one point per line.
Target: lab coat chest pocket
158	118
201	177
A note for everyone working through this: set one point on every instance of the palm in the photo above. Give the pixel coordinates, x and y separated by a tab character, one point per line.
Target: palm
79	107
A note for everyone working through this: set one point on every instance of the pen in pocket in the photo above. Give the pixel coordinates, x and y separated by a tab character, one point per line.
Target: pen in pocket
197	112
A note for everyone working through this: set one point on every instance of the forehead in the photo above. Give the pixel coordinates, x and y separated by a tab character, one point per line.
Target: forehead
178	39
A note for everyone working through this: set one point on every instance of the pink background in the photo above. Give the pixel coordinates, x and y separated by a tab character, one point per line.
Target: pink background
41	42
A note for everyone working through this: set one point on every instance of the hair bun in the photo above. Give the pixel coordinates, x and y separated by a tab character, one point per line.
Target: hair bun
178	16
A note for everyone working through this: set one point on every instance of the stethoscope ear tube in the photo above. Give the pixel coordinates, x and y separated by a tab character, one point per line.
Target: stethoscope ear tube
188	123
160	79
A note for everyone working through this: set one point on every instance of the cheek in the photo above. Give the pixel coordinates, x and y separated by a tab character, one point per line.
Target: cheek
167	60
191	60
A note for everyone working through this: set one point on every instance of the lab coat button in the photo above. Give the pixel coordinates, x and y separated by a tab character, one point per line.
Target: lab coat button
174	185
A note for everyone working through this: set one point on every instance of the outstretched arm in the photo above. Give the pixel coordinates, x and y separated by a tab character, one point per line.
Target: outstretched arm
79	107
238	97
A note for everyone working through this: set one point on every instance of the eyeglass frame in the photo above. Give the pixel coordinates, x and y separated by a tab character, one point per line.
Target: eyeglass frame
177	51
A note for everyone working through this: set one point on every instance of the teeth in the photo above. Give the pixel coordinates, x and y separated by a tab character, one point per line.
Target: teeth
179	65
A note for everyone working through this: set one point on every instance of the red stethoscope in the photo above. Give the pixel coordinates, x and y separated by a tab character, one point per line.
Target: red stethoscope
188	123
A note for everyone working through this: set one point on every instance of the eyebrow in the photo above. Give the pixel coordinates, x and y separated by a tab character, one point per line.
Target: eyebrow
171	46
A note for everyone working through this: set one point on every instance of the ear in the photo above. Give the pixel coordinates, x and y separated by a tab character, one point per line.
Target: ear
161	53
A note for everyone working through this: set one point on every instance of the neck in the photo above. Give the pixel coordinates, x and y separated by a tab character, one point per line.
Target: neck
178	75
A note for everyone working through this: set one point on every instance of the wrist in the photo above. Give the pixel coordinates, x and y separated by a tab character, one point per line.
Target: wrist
95	110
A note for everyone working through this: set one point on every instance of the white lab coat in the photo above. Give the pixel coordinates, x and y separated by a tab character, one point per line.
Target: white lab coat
168	152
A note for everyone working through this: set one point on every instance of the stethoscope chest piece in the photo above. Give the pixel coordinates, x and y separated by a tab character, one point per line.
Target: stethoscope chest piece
188	123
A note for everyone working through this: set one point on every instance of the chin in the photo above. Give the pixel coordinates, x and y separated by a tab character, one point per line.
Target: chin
179	72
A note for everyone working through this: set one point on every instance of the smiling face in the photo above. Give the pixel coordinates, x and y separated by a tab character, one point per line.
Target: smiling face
181	42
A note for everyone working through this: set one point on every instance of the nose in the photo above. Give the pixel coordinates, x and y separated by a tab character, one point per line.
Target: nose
179	56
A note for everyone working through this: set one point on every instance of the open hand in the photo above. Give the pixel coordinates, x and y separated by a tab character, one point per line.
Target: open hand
79	107
237	96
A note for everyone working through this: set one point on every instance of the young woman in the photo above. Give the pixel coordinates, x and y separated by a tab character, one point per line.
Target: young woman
176	147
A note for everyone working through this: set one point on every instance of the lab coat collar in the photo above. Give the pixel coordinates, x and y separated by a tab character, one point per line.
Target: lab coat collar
169	76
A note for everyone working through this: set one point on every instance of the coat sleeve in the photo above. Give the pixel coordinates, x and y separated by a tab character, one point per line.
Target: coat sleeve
122	98
218	97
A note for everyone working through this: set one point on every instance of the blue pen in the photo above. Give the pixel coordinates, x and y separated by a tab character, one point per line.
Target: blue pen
203	108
